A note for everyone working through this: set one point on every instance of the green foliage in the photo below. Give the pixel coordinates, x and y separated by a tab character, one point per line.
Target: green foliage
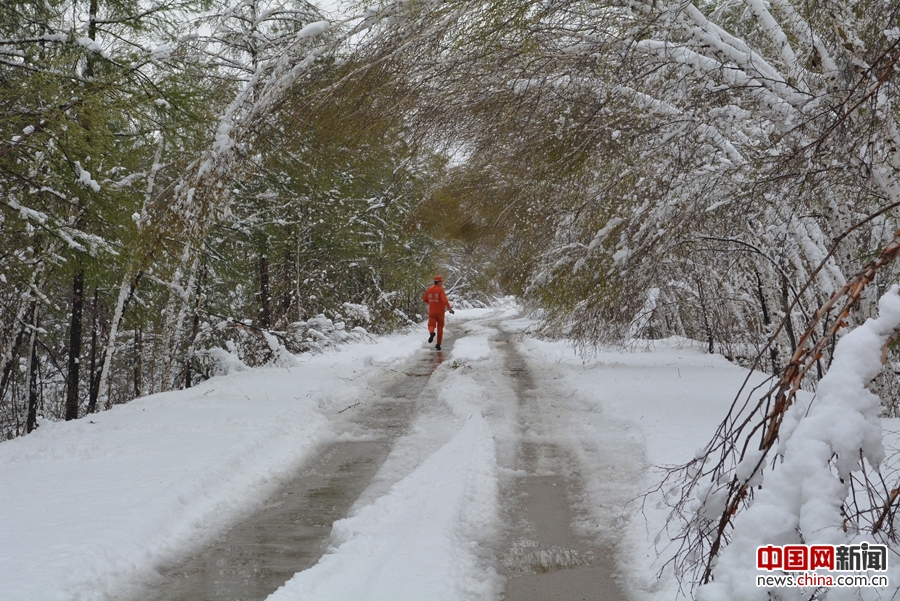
570	153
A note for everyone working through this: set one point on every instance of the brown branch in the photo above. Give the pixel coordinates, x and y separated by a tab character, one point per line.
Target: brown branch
886	510
804	358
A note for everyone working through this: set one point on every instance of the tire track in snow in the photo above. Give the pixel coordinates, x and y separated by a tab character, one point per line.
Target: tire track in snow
544	554
422	530
290	532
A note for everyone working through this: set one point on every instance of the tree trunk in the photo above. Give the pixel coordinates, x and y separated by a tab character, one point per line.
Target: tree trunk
92	34
15	341
126	292
9	360
173	328
94	393
265	296
72	379
195	327
286	289
93	381
138	362
767	322
709	334
31	371
788	321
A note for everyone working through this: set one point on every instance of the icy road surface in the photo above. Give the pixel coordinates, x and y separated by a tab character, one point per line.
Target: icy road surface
503	467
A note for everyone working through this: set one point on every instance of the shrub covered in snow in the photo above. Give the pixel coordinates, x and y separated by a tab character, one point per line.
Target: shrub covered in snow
231	345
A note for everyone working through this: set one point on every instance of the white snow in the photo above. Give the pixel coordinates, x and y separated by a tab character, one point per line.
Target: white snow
471	348
601	235
355	311
90	45
641	410
313	29
621	255
161	53
89	508
224	141
419	540
801	501
85	179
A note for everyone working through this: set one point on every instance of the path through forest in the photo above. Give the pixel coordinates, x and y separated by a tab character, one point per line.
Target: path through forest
254	557
537	550
503	467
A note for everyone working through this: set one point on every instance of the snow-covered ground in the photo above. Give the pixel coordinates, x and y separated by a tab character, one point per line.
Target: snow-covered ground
89	508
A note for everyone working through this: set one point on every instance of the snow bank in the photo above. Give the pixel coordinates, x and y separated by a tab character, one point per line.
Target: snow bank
822	443
119	491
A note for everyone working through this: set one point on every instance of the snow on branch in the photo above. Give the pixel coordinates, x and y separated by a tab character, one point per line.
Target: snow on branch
784	114
738	52
822	444
724	475
774	31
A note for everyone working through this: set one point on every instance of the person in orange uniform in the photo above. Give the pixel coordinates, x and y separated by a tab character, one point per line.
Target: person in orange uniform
437	304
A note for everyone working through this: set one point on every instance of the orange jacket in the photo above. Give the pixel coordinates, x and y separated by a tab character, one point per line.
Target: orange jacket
437	300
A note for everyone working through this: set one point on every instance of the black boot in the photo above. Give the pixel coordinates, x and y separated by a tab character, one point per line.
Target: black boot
430	337
437	347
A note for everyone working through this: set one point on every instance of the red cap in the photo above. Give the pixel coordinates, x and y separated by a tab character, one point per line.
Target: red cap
438	278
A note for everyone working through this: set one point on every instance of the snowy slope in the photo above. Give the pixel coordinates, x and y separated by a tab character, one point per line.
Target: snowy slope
662	402
88	506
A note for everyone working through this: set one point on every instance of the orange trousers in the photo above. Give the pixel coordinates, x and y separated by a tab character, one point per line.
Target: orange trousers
436	320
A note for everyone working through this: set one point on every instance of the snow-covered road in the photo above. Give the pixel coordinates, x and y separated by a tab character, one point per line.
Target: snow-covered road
99	507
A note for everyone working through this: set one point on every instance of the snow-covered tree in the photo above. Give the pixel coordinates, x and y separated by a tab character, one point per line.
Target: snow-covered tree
88	89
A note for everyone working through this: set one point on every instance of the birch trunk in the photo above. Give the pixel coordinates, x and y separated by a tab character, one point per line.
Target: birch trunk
173	331
103	387
94	377
126	290
72	379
